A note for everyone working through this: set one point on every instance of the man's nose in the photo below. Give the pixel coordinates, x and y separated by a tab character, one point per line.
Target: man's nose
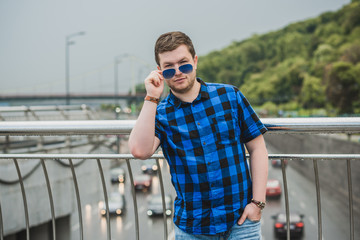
177	70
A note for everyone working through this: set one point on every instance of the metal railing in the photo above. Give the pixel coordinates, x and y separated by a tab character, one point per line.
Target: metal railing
41	113
67	112
275	126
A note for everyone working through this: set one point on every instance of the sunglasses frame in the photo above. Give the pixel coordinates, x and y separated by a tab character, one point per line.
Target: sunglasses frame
170	72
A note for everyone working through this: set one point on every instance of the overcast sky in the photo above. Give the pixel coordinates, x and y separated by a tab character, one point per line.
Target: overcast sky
32	36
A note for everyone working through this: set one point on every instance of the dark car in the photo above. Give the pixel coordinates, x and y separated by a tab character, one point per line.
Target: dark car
149	166
117	175
116	204
155	206
296	225
142	182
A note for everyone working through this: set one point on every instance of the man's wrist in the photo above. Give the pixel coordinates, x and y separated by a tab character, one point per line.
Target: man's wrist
152	99
259	204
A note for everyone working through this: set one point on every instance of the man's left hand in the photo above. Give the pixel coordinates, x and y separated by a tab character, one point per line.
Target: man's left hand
252	212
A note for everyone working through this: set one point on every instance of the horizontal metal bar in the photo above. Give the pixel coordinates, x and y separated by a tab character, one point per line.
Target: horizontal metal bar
87	127
43	108
158	156
313	125
115	127
314	156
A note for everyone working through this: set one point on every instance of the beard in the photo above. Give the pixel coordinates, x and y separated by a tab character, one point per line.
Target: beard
182	89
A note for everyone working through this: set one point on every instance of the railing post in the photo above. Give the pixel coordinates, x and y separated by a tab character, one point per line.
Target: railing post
286	190
1	225
7	144
318	198
50	198
77	194
24	199
352	234
134	199
162	198
105	199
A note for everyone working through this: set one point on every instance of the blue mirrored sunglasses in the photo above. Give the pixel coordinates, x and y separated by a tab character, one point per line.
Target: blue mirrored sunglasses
169	73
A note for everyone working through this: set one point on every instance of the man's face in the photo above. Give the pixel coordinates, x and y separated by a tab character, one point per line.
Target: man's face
180	82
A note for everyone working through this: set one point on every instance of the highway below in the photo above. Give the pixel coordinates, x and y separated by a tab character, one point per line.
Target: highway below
302	198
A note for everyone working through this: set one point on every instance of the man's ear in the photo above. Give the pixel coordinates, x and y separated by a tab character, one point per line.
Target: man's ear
158	67
195	61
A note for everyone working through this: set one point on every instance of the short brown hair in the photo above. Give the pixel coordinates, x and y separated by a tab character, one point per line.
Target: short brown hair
170	41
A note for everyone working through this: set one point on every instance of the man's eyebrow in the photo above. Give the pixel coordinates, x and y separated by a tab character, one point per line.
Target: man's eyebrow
172	63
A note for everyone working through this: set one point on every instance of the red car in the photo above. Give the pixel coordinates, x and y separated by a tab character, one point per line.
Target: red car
142	182
273	188
277	163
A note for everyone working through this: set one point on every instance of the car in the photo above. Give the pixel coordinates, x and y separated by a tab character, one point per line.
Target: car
142	182
116	204
117	175
273	188
296	225
155	207
277	163
149	166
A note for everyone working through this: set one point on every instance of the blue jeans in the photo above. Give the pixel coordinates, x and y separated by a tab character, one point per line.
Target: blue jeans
249	230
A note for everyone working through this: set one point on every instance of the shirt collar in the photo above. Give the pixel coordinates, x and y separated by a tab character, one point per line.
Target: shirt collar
203	94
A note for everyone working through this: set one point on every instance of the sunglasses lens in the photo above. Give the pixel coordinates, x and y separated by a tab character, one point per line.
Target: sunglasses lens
187	68
168	73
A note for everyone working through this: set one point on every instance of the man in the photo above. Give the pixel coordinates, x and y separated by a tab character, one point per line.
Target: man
202	128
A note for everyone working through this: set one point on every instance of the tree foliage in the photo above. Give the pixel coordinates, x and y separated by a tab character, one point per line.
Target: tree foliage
308	63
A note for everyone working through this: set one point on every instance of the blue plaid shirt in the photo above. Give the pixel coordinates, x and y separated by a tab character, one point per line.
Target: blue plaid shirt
203	142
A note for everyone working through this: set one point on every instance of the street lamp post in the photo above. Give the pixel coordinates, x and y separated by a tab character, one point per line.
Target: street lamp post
117	61
133	81
67	64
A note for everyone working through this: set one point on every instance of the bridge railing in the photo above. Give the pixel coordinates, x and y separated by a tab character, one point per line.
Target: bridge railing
116	127
51	112
40	113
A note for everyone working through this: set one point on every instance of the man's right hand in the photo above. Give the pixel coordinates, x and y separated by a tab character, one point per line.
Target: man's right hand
154	84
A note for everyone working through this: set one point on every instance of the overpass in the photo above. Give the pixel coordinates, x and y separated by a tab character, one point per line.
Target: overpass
62	185
107	96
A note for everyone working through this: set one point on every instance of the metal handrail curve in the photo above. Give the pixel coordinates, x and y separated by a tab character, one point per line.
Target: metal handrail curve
282	157
117	127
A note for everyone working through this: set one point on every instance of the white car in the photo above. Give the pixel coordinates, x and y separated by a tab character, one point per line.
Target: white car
116	204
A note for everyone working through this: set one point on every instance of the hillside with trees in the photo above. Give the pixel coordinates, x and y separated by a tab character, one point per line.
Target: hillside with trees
310	66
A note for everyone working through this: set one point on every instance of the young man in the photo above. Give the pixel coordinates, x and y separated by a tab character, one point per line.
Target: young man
202	128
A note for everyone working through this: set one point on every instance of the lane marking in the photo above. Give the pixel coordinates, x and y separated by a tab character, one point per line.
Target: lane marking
95	211
75	227
312	220
128	226
302	205
141	209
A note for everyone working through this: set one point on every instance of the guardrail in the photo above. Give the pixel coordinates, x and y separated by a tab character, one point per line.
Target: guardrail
41	113
66	112
275	126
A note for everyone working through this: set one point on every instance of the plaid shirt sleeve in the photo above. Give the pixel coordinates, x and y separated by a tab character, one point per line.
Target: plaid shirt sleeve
158	130
250	124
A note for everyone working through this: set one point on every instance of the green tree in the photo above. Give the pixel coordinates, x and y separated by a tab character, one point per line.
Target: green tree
324	53
312	93
299	65
343	86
